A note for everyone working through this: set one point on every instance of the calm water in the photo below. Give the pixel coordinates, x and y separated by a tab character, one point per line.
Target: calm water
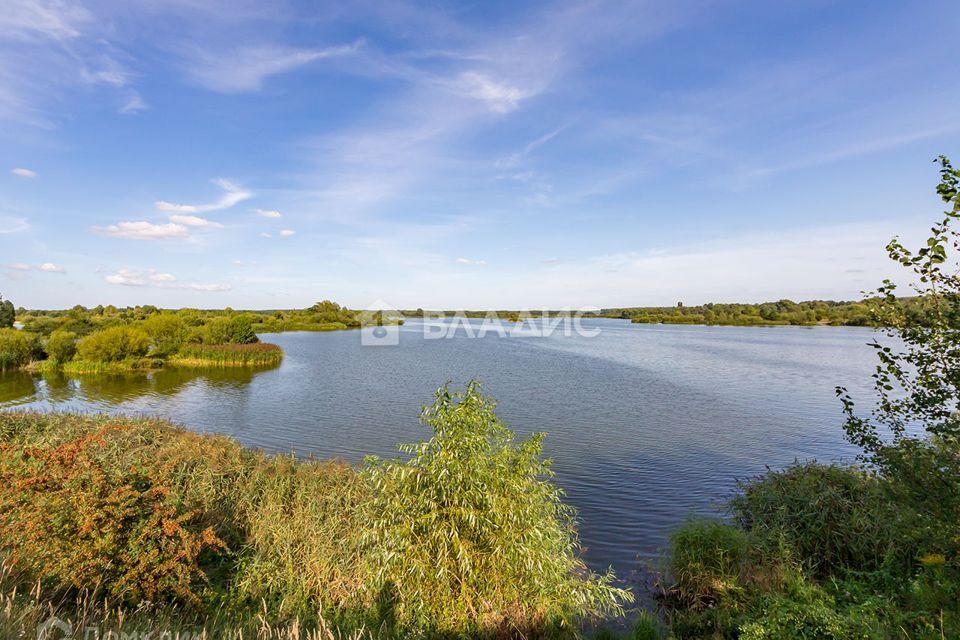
647	424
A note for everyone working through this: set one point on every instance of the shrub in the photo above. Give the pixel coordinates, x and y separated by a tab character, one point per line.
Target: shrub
469	534
17	348
167	332
706	561
237	329
61	346
76	523
114	344
831	518
807	611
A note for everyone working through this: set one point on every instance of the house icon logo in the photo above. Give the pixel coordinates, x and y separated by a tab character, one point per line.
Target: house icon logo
380	325
53	628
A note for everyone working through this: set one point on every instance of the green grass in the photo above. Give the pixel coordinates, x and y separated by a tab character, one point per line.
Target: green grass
258	354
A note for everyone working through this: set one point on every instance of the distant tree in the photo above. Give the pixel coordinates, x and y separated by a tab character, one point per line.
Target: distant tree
7	313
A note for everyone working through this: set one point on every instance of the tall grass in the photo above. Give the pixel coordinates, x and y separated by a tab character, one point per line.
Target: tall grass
469	537
228	355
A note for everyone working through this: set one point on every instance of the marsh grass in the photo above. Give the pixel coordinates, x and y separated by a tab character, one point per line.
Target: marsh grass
258	354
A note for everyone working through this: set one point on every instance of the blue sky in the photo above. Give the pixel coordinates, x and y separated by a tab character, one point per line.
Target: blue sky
472	154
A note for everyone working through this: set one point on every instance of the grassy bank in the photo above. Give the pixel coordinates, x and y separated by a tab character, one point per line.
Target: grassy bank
466	536
815	551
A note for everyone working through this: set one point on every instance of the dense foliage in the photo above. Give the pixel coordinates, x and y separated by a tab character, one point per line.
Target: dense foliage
138	512
825	551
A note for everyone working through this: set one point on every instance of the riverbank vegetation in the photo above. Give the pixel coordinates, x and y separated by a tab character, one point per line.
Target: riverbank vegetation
826	551
108	339
782	312
466	536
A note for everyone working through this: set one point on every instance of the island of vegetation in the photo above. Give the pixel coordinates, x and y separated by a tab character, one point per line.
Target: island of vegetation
108	339
133	524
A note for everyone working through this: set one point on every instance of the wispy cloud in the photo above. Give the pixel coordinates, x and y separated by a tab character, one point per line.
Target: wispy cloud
20	172
10	224
469	261
236	70
267	213
499	95
47	48
45	267
232	194
286	233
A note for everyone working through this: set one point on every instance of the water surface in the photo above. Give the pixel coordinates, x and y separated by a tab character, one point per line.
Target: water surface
648	424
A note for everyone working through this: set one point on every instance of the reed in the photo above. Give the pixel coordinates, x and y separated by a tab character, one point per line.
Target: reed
228	355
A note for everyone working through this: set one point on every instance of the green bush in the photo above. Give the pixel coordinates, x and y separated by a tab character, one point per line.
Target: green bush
168	332
468	533
831	518
237	329
17	348
61	346
706	562
807	611
114	344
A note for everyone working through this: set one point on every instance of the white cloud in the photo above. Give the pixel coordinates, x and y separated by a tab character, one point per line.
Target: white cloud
142	230
24	173
13	225
477	263
231	196
267	213
286	233
158	279
49	267
246	68
126	277
498	95
264	234
194	221
18	266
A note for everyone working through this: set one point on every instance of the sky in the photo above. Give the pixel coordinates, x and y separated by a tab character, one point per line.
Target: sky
266	155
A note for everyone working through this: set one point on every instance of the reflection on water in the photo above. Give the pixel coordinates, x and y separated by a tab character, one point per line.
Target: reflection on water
646	423
16	388
103	389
